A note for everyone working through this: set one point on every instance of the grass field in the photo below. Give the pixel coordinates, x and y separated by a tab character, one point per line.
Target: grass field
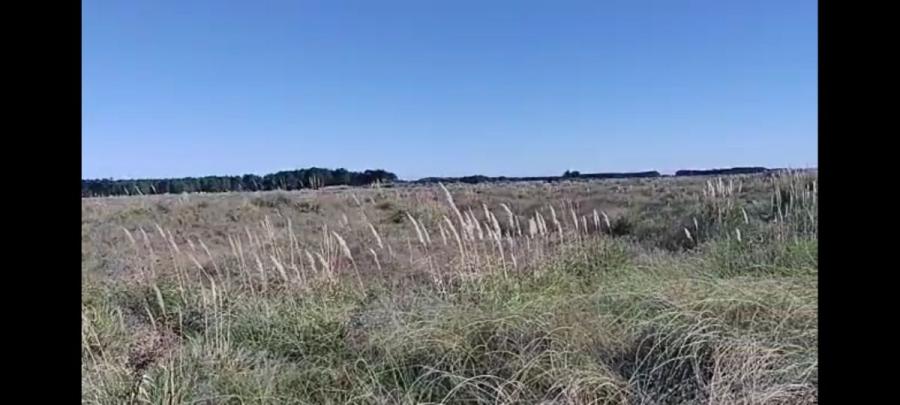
654	291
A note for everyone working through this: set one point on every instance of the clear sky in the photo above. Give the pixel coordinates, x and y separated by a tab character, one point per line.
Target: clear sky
446	87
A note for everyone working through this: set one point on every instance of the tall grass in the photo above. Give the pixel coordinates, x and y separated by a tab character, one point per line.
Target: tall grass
551	301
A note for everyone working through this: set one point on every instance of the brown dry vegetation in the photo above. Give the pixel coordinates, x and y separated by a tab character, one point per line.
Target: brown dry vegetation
654	291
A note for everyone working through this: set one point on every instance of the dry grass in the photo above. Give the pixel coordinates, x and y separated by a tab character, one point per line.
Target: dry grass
623	291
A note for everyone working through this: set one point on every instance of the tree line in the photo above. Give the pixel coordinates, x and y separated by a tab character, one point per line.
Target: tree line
313	178
724	172
568	175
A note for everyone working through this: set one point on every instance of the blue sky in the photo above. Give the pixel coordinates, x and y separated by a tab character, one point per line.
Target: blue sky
446	87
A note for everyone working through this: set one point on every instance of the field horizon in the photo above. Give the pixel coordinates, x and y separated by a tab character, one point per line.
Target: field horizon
317	177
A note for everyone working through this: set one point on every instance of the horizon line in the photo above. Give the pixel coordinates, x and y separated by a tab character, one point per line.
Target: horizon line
662	173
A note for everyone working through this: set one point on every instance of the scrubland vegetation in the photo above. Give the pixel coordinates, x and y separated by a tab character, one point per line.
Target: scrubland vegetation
638	291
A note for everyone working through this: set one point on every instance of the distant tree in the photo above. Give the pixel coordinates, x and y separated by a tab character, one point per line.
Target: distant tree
290	180
341	176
